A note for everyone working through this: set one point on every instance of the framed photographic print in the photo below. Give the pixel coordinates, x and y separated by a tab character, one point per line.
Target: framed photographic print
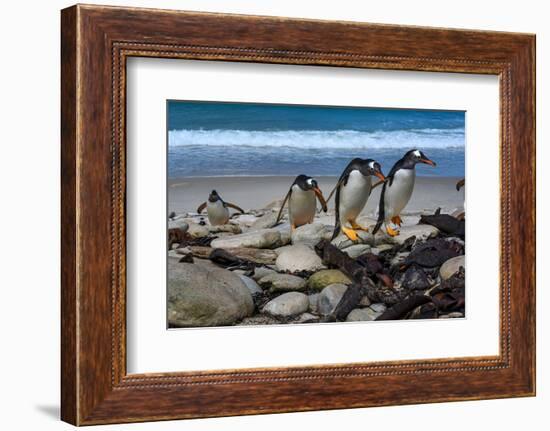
280	207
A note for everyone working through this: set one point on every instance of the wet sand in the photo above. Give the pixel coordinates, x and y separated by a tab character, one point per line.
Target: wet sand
186	194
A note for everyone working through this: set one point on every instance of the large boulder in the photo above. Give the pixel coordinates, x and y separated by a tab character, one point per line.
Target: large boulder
282	282
330	297
311	234
205	263
287	305
451	267
264	238
203	296
298	258
326	277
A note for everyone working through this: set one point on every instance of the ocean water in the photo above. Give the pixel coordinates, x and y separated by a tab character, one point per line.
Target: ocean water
250	139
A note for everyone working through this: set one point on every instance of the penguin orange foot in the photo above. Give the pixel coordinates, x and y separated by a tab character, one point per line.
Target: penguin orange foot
357	226
391	232
350	233
397	220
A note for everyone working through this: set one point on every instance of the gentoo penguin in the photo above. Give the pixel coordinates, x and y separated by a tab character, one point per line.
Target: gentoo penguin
217	209
397	190
301	201
352	192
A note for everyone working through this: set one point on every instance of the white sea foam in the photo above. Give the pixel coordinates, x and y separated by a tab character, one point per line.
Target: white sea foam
422	138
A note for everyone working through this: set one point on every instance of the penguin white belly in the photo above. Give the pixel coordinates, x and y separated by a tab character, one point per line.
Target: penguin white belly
398	194
217	213
301	206
354	196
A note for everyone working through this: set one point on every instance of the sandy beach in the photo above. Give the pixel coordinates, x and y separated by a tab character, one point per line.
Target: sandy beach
186	194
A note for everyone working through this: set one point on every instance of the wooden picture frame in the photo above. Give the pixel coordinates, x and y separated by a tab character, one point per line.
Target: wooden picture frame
95	43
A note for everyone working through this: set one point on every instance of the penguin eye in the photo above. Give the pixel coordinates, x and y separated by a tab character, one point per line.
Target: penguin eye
371	165
417	154
309	181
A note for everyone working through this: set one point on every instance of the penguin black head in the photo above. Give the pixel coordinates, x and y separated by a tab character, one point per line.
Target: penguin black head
371	167
214	196
309	184
416	156
306	183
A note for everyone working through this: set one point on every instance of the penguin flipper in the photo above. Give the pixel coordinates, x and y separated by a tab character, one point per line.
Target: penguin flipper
235	207
337	226
279	216
201	207
381	214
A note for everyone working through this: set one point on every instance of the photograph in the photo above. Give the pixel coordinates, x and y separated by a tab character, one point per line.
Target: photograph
297	214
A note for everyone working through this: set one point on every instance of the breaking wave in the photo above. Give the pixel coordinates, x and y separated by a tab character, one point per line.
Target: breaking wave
352	139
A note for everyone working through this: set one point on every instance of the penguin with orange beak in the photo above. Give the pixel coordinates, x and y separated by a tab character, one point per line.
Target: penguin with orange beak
397	190
352	192
302	203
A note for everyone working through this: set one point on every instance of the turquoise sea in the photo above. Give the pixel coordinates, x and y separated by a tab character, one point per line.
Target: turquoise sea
252	139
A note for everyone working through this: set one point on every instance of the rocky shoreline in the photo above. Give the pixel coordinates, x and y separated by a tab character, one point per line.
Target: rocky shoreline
253	272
